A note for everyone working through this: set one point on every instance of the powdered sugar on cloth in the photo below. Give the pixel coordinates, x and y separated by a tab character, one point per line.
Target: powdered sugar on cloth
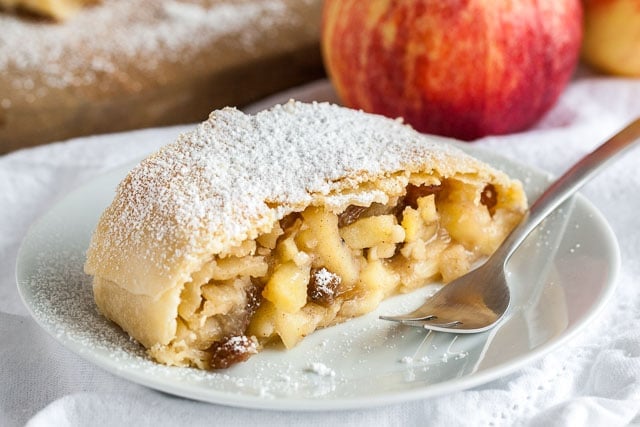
592	380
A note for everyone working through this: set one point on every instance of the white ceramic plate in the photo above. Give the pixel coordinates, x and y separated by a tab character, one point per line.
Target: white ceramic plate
560	279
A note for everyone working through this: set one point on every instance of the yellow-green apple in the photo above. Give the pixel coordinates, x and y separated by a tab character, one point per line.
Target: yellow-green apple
461	68
612	35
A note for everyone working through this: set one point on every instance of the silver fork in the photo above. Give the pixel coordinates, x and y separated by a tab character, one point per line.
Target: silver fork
476	301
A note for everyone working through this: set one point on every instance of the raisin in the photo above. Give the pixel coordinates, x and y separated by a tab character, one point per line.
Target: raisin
350	215
415	192
354	213
231	350
323	286
289	220
489	196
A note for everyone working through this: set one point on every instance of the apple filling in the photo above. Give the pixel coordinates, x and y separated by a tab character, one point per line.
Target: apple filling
316	268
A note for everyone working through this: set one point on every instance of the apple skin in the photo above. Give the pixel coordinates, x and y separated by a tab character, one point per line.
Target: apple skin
612	36
459	68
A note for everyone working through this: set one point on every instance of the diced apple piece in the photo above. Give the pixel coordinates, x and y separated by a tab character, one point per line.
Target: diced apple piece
287	287
381	251
414	250
427	208
454	262
466	219
287	249
361	303
376	275
418	273
262	323
413	224
372	231
377	280
333	252
293	327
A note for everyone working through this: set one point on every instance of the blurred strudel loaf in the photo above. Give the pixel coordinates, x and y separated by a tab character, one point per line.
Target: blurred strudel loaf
112	65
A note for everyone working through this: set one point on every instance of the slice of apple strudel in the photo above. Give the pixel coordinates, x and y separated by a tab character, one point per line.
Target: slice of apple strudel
258	229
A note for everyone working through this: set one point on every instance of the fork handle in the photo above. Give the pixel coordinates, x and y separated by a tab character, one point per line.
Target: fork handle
565	186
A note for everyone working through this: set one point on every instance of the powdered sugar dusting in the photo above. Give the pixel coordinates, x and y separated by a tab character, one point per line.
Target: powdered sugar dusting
242	343
236	174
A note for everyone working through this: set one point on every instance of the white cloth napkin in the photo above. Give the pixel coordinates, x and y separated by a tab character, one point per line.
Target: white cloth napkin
593	380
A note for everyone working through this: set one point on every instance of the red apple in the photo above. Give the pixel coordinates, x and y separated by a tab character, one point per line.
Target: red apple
461	68
612	35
